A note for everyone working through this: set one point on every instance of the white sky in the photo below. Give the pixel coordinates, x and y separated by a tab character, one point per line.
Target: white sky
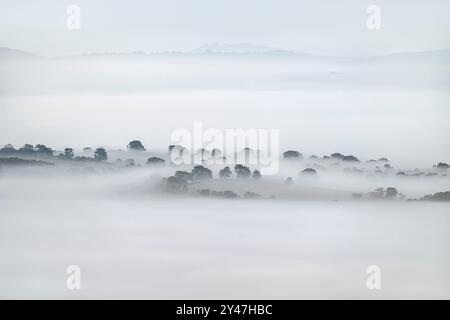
327	27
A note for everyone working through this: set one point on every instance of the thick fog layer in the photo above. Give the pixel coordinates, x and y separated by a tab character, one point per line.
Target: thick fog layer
363	177
133	242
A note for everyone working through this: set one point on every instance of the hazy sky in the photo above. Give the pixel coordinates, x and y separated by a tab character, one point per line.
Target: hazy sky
326	27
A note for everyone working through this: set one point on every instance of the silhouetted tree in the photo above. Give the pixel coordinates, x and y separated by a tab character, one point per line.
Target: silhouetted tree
242	171
175	184
256	175
100	154
350	158
391	192
291	154
135	145
442	166
155	161
68	153
309	171
337	155
200	173
439	196
42	150
8	150
225	172
184	175
27	149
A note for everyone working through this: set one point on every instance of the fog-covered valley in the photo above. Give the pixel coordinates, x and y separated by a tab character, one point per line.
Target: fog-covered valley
363	176
136	236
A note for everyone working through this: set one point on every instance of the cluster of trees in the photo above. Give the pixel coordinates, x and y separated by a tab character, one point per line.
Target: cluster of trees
40	150
382	193
27	150
100	154
442	166
241	172
439	196
179	181
293	154
342	157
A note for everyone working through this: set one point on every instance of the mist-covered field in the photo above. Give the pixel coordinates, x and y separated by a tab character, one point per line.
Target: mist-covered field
139	230
134	238
136	245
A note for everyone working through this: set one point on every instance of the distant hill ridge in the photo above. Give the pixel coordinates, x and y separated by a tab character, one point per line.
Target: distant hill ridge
225	49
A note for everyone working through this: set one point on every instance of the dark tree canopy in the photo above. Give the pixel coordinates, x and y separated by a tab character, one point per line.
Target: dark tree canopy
337	155
100	154
256	175
439	196
201	173
442	165
8	150
155	161
309	171
135	145
350	158
175	184
184	175
292	154
27	149
242	171
391	192
68	153
340	156
225	172
43	150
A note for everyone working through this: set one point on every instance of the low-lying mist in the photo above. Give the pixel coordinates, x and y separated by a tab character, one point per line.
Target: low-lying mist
140	226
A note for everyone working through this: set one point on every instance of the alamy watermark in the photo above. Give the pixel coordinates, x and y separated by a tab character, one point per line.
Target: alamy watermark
373	21
373	281
73	281
258	147
73	21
